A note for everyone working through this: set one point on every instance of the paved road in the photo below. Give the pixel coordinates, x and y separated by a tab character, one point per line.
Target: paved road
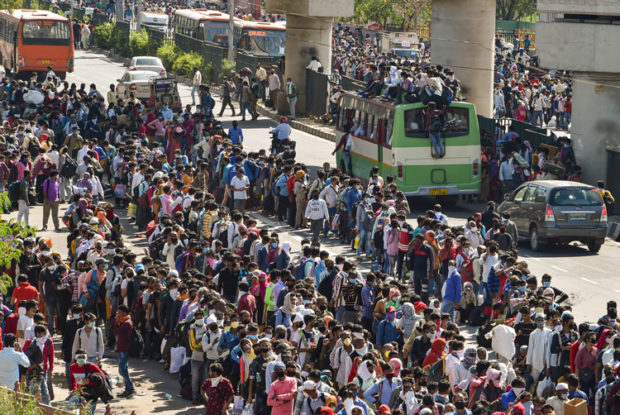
589	279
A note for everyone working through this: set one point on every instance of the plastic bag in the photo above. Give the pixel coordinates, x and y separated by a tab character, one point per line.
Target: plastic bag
132	209
33	97
177	358
237	405
545	387
248	410
163	346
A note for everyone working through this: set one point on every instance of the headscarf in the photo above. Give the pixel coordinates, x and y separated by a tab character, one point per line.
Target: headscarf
354	368
286	247
436	353
82	205
408	319
397	364
363	372
600	345
494	377
469	358
287	306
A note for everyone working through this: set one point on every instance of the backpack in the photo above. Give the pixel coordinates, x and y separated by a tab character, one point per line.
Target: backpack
480	336
178	262
368	220
136	344
92	288
437	371
298	270
436	123
103	386
68	168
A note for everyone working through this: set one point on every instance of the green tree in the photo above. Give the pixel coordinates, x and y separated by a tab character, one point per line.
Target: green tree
410	11
13	4
379	11
515	9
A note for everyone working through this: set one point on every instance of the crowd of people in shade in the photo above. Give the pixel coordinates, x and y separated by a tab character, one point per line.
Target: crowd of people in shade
248	319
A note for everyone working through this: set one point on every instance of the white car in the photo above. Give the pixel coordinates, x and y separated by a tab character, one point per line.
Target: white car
136	82
147	63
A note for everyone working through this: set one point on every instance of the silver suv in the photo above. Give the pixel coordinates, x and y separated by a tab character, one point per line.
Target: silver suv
557	211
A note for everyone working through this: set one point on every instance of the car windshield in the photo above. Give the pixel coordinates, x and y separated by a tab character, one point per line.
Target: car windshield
142	76
575	197
148	62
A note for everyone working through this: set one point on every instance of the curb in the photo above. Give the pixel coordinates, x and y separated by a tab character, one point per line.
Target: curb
298	125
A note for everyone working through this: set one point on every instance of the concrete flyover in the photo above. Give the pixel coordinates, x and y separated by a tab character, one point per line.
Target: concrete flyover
462	33
308	33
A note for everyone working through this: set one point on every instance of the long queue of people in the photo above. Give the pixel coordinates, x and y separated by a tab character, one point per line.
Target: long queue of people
250	324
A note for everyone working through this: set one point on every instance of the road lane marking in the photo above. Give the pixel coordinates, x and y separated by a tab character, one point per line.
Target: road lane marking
534	259
558	268
618	291
590	281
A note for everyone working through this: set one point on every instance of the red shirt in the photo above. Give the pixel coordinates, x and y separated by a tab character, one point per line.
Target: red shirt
76	373
123	335
218	396
247	302
11	324
24	292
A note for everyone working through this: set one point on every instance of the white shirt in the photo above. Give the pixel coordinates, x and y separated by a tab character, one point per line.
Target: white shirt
92	344
23	324
487	261
10	360
239	184
317	209
136	180
537	348
503	341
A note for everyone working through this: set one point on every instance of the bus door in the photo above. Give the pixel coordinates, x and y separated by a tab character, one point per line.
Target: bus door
381	131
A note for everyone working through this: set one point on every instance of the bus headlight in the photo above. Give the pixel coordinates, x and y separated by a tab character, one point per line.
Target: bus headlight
475	168
70	63
21	61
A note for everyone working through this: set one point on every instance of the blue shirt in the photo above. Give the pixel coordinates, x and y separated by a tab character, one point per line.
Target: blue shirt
368	301
386	392
576	393
353	196
453	288
228	340
386	332
283	131
508	398
236	135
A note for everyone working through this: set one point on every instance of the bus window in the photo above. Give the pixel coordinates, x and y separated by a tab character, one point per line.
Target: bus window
455	122
390	129
45	32
373	125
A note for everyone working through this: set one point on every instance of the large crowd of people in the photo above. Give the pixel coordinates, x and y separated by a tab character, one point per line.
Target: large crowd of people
249	322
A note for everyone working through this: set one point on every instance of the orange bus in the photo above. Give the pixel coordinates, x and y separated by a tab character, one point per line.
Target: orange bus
32	40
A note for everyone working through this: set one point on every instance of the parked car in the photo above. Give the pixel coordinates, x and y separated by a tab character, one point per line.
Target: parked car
147	63
137	82
557	212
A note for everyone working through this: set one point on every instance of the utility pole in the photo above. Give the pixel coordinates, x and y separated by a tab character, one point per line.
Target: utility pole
231	29
138	15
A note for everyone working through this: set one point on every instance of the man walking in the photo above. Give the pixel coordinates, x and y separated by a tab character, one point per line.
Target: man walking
240	185
196	81
123	328
291	95
22	197
317	212
51	194
245	101
227	90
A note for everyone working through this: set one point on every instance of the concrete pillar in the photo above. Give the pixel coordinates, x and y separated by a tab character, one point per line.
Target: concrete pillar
595	126
462	35
305	37
308	33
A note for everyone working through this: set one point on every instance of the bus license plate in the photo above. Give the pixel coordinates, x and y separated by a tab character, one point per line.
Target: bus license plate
45	62
439	192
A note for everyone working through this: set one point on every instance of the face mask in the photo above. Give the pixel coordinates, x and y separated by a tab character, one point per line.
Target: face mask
267	336
347	342
558	327
252	336
200	322
81	362
522	288
431	336
564	396
76	316
279	374
391	316
518	391
460	353
540	324
352	280
389	376
91	324
173	293
281	335
546	283
234	324
274	245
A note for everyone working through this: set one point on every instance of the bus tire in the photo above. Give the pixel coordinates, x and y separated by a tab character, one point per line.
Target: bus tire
62	75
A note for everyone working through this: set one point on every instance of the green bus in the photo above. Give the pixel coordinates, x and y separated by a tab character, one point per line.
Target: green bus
394	138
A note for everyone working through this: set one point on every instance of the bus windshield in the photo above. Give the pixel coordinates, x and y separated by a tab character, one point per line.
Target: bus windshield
46	32
215	30
455	122
270	42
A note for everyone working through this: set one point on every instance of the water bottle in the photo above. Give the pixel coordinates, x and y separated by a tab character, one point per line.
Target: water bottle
168	397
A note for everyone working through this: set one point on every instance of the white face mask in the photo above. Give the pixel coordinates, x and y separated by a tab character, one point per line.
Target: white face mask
518	391
173	293
558	327
21	311
460	353
564	396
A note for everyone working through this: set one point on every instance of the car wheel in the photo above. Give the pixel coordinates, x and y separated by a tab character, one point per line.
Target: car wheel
535	242
594	246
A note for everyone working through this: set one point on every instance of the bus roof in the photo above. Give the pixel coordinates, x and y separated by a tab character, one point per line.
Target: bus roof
246	24
351	100
202	14
31	14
